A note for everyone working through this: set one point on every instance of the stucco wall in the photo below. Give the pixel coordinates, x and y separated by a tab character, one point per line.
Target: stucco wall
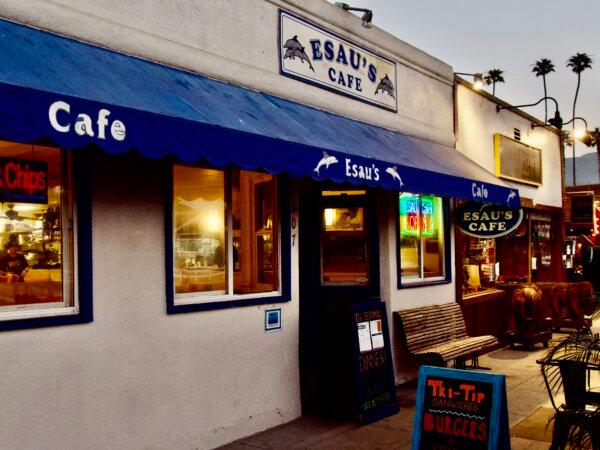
237	41
477	121
412	297
137	377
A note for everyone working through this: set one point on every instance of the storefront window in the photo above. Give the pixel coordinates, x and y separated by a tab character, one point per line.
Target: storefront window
200	230
542	243
421	237
225	233
512	255
36	240
480	269
255	242
344	238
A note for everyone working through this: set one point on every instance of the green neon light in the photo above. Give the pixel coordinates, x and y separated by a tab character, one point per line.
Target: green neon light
411	219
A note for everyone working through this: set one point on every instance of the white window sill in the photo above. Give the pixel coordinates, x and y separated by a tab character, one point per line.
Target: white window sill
38	311
193	299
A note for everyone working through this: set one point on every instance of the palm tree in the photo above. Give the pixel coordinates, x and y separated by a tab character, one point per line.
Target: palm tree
542	68
494	76
578	63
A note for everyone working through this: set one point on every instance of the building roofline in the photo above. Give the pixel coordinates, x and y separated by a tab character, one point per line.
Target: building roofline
329	14
496	100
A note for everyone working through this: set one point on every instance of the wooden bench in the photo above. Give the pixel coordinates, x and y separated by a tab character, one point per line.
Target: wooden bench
437	334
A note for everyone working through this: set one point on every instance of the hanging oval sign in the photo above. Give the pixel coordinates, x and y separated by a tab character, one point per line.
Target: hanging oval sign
485	220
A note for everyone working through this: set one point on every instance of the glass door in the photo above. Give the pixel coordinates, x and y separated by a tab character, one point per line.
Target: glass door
344	232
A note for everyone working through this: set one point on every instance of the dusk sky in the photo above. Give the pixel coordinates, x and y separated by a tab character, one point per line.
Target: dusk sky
511	35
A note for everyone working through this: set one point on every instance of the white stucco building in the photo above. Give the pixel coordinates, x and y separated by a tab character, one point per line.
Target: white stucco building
180	254
528	156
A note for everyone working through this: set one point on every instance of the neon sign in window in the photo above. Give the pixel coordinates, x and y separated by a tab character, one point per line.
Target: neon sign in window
411	222
421	236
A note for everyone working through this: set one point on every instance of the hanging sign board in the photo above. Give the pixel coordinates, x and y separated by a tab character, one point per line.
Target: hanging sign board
23	180
517	161
460	409
485	220
373	369
317	56
582	207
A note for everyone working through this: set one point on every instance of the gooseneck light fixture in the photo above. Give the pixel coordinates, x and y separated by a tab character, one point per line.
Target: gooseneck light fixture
556	121
578	132
366	18
478	81
536	125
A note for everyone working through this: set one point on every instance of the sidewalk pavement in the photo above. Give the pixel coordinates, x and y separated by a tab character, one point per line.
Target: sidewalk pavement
528	406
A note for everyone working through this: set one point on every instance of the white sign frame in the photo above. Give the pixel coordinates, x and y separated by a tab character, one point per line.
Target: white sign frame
380	93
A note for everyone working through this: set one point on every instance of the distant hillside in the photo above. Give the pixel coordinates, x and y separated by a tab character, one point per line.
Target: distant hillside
586	167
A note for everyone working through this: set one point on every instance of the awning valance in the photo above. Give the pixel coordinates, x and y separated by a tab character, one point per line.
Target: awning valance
78	94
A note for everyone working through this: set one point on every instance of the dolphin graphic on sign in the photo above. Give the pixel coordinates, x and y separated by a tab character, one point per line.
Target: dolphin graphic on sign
326	161
294	49
386	85
393	171
511	196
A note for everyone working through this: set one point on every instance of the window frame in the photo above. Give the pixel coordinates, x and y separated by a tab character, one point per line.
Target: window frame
361	201
204	302
447	259
79	163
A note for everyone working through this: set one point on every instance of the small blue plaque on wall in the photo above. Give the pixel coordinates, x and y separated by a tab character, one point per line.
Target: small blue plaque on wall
273	319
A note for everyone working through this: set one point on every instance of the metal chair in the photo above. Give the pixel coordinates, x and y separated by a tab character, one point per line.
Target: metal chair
566	371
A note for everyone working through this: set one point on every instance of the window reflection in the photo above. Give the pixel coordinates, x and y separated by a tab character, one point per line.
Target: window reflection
226	236
255	237
32	242
199	226
344	239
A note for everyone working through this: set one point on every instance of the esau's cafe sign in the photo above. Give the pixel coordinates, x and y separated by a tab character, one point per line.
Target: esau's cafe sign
314	55
485	220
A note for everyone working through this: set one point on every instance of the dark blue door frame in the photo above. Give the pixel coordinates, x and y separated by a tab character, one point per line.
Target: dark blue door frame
319	304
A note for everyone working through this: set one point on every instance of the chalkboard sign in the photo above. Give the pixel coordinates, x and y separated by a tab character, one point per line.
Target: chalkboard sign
374	372
459	409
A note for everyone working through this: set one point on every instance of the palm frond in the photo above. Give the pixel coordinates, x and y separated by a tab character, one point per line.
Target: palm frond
579	62
543	67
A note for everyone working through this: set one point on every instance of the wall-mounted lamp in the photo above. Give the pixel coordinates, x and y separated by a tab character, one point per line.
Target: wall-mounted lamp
536	125
366	18
556	121
579	133
478	81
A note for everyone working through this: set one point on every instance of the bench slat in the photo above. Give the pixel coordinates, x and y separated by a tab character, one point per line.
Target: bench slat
440	330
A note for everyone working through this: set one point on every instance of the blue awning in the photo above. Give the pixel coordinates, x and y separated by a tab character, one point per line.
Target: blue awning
77	94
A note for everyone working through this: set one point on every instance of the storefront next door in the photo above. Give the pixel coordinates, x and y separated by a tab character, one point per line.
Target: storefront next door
339	266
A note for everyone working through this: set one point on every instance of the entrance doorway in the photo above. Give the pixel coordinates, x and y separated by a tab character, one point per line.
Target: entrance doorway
339	266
